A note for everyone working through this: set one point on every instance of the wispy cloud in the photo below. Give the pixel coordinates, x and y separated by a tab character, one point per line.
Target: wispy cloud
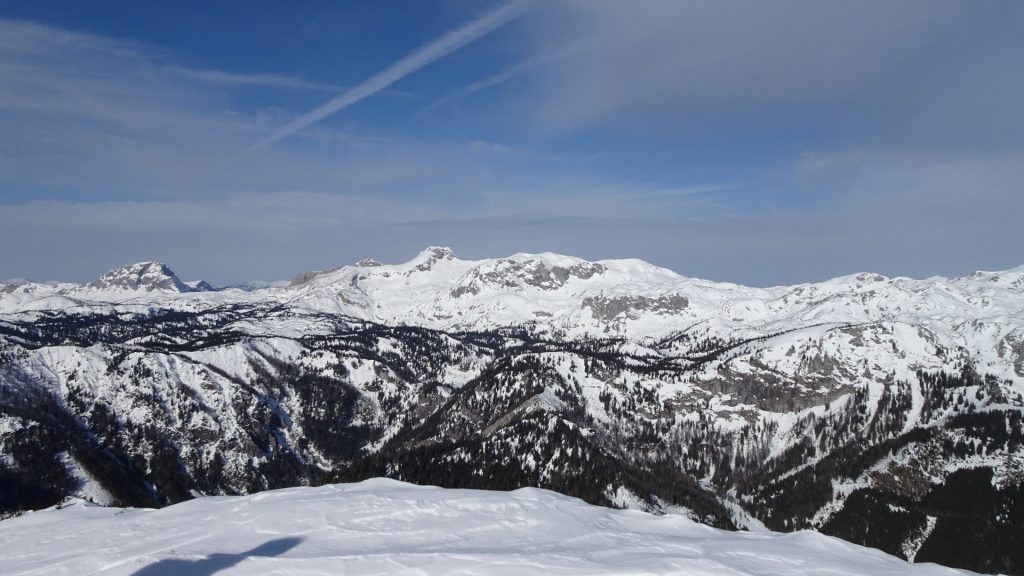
267	80
890	216
84	116
31	47
442	46
263	80
935	68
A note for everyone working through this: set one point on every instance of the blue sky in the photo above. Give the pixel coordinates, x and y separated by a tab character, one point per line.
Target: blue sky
753	142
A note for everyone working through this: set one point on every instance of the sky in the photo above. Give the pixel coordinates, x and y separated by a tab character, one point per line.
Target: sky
754	142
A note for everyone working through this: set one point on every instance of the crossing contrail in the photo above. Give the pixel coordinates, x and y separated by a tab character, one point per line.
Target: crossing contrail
513	71
442	46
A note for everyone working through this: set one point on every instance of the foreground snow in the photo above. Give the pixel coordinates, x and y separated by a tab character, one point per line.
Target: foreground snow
387	527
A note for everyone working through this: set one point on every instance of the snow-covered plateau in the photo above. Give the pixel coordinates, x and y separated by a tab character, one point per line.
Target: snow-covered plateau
387	527
884	411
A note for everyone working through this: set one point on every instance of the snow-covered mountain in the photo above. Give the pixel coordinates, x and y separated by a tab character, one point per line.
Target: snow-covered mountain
886	411
140	281
387	527
144	276
629	298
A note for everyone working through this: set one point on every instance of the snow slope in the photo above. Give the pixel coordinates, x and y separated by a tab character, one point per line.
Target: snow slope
388	527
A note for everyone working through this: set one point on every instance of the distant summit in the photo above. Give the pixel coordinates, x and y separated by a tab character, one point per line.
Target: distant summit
146	276
426	259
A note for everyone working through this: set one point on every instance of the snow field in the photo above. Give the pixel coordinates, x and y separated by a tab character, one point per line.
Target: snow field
387	527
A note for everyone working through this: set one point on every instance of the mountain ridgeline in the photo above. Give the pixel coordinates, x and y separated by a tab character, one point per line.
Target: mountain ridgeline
887	412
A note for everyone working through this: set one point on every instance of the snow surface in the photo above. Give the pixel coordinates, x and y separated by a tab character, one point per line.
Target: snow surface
387	527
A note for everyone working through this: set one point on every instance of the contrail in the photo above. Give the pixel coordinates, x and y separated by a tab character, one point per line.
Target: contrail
510	72
419	58
501	77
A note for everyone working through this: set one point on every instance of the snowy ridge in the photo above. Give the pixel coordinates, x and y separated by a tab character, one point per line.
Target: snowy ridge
387	527
625	297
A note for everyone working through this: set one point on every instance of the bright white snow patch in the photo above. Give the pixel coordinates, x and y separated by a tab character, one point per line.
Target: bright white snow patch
388	527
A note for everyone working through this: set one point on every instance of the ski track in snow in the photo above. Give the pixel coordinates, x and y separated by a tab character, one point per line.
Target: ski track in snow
388	527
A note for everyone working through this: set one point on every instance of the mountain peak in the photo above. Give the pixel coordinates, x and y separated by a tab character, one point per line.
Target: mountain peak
438	253
427	258
149	276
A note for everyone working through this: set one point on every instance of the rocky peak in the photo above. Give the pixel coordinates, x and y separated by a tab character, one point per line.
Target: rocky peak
148	276
427	258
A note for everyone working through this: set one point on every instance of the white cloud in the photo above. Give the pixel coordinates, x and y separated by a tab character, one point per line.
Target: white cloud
913	182
861	69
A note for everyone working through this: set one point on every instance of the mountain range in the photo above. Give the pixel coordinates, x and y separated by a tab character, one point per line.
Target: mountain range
884	411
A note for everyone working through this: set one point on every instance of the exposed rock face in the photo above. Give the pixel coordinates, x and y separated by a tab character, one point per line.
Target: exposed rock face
508	274
431	256
148	276
1018	363
610	308
305	277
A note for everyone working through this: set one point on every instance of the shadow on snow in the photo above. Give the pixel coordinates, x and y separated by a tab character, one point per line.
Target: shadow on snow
216	562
